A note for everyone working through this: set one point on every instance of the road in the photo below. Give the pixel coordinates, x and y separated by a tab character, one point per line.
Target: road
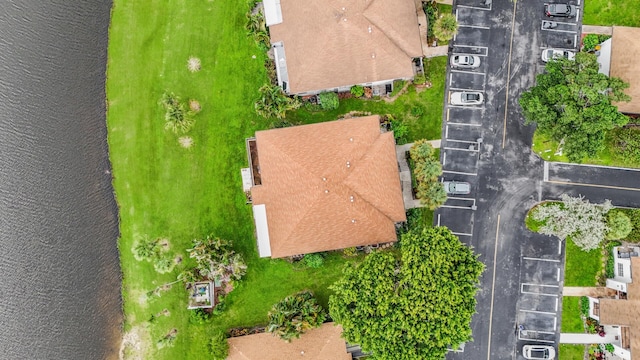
490	147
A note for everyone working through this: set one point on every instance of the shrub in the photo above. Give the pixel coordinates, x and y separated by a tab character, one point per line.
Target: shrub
609	348
626	144
220	306
426	172
591	40
199	316
584	306
274	103
431	10
295	314
619	225
357	91
634	216
350	251
609	267
218	346
420	79
400	131
177	118
445	27
329	100
215	259
313	260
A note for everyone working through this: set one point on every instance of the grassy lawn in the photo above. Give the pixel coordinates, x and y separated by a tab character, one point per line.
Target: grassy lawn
581	268
546	148
611	12
571	321
571	352
167	191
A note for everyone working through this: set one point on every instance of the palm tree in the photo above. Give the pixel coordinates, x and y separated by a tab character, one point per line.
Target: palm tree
177	117
255	23
445	27
273	102
294	315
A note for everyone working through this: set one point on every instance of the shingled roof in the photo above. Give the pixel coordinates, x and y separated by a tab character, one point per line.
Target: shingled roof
323	343
335	43
328	186
626	312
625	52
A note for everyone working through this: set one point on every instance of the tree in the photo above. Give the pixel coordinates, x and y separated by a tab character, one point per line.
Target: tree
274	103
414	307
619	225
293	315
146	249
427	169
576	218
571	101
177	118
216	259
445	27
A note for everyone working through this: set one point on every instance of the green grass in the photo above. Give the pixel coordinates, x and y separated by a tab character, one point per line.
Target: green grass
444	9
571	352
611	12
164	190
546	148
571	320
581	267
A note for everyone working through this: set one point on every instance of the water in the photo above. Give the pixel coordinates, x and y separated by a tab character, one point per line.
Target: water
59	269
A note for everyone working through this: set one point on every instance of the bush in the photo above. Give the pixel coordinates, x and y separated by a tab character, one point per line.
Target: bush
626	144
634	216
218	346
357	91
420	79
199	316
591	40
177	118
146	249
400	131
584	306
431	10
220	306
619	225
329	100
350	251
313	260
295	314
426	172
609	268
163	265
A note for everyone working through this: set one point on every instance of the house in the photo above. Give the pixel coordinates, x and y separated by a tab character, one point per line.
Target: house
620	312
324	186
618	57
329	45
323	343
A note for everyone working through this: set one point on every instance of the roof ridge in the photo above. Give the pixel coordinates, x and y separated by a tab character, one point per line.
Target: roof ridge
388	31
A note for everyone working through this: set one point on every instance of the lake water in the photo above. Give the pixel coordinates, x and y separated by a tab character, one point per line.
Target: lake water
60	276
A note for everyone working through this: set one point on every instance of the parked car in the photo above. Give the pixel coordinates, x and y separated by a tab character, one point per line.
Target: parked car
535	352
560	10
456	187
466	98
548	54
465	61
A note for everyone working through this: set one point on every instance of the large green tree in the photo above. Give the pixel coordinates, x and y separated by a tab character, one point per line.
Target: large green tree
571	102
412	305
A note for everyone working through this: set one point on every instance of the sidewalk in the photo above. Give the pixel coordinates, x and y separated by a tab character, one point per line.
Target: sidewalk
434	51
588	291
573	338
592	29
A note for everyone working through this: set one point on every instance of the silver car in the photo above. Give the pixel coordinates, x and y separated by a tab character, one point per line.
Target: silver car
456	187
548	54
535	352
465	61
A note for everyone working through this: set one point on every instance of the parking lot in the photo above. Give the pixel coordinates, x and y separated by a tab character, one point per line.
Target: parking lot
487	145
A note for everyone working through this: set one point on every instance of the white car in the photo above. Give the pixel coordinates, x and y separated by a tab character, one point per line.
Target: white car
466	98
548	54
465	61
538	352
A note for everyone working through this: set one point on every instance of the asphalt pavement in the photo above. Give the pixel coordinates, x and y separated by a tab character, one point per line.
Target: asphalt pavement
489	146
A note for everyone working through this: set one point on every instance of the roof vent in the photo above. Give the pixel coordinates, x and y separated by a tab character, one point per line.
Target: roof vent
353	221
326	191
370	29
351	198
324	179
373	55
348	164
351	139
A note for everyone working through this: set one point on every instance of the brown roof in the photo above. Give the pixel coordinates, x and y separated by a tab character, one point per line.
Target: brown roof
323	343
316	202
625	312
625	51
333	43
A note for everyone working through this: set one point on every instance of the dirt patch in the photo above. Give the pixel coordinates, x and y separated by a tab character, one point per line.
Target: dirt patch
135	344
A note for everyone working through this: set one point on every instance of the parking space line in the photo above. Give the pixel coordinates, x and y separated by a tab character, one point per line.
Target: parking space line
474	26
558	275
446	132
459	172
538	312
539	294
456	149
539	259
458	207
438	219
559	247
560	31
461	198
450	79
465	107
555	324
575	39
463	141
463	124
557	304
577	14
525	332
461	234
444	158
474	7
467	72
541	285
486	49
448	114
463	89
558	48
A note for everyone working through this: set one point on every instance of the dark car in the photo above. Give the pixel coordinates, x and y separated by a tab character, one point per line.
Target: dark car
559	10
